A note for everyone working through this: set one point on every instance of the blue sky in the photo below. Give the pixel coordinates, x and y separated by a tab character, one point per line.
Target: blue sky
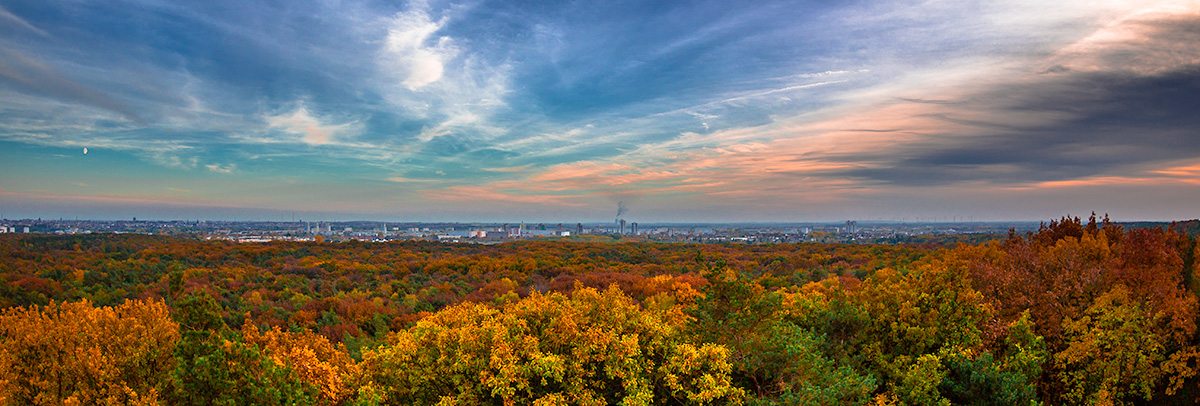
556	111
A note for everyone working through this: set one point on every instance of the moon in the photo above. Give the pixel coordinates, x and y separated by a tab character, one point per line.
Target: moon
85	151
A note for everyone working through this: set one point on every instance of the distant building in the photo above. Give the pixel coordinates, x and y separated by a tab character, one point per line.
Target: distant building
633	228
578	228
621	230
851	226
455	235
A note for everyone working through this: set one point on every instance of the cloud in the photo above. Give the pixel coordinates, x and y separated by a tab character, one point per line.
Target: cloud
521	168
1155	40
222	169
310	129
575	183
401	179
755	95
968	124
703	105
32	75
5	15
36	201
1078	126
447	87
1186	171
1114	104
1103	181
412	53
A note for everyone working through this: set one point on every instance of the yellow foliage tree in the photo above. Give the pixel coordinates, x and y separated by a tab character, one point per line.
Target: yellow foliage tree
917	318
312	358
74	353
589	348
1113	354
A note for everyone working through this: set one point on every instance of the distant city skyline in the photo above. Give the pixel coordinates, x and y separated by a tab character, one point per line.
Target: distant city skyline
709	111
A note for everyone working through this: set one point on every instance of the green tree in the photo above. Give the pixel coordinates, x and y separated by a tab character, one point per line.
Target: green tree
776	359
215	368
981	381
808	377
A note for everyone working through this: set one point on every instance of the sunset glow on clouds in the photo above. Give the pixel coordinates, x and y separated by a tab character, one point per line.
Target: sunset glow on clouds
504	111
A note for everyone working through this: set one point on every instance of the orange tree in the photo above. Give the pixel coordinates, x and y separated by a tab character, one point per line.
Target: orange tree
73	353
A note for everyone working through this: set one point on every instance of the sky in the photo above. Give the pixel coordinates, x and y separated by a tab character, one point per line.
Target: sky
716	111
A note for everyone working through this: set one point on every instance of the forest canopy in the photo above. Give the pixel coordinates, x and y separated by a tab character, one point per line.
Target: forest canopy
1079	312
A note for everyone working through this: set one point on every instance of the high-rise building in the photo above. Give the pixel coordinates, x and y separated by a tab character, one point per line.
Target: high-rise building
622	227
633	228
578	228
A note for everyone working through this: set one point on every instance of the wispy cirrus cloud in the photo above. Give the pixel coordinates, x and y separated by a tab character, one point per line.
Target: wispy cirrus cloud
32	75
15	21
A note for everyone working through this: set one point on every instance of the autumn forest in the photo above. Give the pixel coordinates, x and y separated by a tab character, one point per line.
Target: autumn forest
1079	312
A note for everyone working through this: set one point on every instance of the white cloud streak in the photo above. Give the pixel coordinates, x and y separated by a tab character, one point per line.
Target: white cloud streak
222	169
5	15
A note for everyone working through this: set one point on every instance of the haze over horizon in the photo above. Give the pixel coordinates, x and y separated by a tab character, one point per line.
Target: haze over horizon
708	111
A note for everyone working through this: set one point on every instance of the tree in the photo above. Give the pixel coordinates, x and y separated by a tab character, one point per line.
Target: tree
215	368
776	359
808	377
739	314
1113	353
311	358
589	348
919	321
73	353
